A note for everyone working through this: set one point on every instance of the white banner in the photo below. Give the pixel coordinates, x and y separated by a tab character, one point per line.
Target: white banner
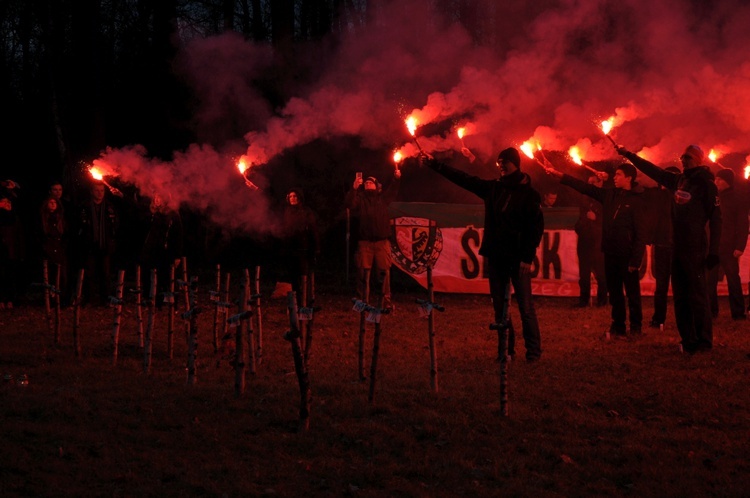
458	267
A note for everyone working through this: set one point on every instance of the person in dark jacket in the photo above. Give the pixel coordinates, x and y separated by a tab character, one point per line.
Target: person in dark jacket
589	249
300	239
163	245
53	237
734	226
659	206
370	203
513	228
623	242
11	248
97	228
695	206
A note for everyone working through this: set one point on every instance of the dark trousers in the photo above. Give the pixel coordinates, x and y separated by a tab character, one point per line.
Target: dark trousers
731	269
591	259
619	278
661	268
98	273
500	274
690	292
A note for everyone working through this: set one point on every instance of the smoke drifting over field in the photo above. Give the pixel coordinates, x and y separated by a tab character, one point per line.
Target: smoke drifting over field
670	72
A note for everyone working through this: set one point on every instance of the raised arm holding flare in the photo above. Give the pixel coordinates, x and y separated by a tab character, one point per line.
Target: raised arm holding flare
513	228
695	205
623	242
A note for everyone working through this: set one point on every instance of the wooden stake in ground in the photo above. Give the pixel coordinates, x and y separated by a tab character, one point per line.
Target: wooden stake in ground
431	333
302	307
149	342
294	337
376	345
186	294
76	314
47	292
57	305
361	349
250	338
192	319
242	316
227	279
311	319
138	305
503	329
116	301
170	316
258	315
216	299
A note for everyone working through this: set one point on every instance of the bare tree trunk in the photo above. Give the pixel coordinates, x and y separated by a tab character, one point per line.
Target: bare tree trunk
228	14
258	24
117	315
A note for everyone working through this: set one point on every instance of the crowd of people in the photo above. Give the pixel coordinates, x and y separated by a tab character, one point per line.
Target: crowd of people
695	222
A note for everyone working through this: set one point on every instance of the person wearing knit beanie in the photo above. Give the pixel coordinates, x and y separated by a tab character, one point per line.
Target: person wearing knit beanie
694	152
510	154
696	230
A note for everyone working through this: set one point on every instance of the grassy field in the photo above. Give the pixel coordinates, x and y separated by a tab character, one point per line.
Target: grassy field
592	418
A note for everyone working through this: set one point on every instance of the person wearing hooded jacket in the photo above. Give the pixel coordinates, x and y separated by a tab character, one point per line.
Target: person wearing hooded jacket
623	241
301	238
370	203
695	206
513	228
734	226
163	245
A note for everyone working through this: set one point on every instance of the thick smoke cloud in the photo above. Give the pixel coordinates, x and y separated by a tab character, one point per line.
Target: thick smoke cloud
671	72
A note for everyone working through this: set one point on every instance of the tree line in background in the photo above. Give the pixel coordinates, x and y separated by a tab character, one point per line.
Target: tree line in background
81	75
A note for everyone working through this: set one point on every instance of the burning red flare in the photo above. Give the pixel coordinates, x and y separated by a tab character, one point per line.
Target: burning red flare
411	125
575	154
529	148
242	165
96	174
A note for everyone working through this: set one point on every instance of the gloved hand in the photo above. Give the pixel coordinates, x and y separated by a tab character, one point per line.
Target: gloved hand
712	261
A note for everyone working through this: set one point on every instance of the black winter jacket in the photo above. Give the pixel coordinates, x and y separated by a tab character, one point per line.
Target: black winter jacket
513	219
623	228
695	204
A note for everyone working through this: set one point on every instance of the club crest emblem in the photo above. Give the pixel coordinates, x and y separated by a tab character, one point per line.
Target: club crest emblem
415	243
